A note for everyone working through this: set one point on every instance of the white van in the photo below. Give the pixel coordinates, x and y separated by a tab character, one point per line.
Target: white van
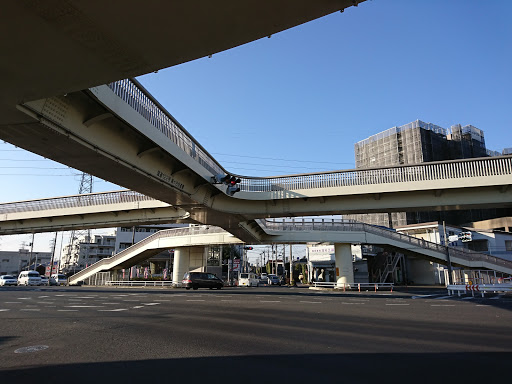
58	279
248	279
29	278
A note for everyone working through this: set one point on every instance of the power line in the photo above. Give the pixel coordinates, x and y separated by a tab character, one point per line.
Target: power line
279	159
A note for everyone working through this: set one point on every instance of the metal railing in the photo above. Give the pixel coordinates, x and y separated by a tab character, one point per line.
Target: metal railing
349	225
352	286
152	283
193	230
138	98
85	200
479	288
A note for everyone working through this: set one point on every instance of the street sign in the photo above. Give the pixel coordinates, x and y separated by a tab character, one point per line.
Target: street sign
236	265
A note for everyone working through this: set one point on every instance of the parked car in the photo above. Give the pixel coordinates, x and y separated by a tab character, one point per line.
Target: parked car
8	280
274	280
58	279
197	280
29	278
45	280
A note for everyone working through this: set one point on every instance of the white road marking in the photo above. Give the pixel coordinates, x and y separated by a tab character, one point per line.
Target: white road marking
468	298
422	296
397	304
270	301
442	305
4	310
138	306
23	298
311	302
111	303
13	302
353	303
84	306
112	310
154	303
29	309
441	298
67	310
195	300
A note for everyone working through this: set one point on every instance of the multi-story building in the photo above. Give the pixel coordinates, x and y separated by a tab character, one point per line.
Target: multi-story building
12	262
420	142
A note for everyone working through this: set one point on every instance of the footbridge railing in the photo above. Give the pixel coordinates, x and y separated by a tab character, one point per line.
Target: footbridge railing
193	230
350	225
138	98
85	200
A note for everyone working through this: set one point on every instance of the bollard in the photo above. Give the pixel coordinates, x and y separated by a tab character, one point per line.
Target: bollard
359	286
375	287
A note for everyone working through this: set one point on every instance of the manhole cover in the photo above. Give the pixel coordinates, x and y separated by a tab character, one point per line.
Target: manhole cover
32	348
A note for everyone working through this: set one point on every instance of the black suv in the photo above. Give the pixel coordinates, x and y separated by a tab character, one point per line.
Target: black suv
197	280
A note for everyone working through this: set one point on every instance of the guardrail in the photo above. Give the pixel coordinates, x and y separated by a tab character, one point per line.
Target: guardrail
123	283
479	288
352	286
138	98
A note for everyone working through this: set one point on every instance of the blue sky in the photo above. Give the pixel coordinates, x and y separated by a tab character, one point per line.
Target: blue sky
298	101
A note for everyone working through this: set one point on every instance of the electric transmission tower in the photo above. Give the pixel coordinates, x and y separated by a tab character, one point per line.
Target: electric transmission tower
80	235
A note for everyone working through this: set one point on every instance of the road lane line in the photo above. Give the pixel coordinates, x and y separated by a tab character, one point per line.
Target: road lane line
113	310
311	302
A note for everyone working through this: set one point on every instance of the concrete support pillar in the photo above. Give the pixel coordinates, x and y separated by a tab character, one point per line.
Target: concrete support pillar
344	268
181	263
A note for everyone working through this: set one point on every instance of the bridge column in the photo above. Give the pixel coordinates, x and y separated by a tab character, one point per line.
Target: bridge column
181	263
344	268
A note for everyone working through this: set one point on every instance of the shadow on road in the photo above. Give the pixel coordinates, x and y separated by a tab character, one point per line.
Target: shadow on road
314	368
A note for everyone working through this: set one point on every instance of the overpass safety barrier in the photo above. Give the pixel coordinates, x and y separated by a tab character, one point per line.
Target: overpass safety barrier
138	98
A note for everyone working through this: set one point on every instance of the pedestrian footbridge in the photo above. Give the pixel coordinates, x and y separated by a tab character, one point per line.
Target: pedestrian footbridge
120	133
300	231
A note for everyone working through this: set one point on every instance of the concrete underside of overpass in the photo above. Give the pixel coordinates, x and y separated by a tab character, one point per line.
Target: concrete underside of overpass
60	46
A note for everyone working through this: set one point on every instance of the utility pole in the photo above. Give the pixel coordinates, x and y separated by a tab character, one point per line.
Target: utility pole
53	254
31	250
449	262
292	281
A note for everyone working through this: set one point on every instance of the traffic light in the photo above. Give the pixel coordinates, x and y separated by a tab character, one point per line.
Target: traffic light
248	248
465	237
229	180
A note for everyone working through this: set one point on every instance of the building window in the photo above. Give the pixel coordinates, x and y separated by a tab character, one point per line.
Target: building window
508	245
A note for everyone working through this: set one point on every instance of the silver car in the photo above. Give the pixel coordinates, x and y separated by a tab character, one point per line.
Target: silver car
8	280
274	280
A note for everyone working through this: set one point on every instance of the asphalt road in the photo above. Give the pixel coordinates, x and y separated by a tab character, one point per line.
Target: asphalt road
250	335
